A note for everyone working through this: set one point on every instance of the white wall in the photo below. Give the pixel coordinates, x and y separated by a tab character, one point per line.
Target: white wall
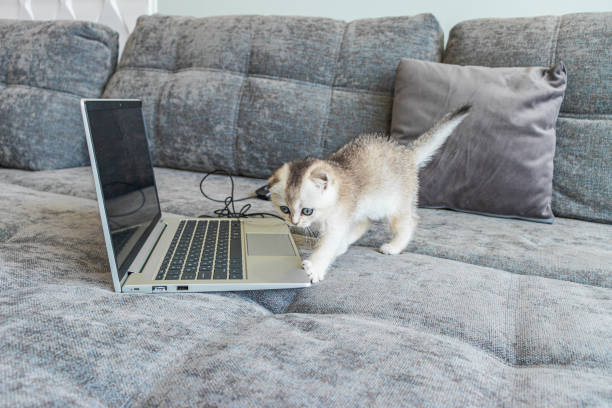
448	12
120	15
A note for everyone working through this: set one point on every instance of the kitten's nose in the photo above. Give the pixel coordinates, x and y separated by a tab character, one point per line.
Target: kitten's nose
294	220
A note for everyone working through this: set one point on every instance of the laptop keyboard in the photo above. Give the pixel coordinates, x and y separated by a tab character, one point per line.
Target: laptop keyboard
204	250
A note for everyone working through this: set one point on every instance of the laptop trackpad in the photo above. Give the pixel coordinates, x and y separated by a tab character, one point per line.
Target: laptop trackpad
269	245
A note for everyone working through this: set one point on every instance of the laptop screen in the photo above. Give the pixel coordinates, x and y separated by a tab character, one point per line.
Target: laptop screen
125	174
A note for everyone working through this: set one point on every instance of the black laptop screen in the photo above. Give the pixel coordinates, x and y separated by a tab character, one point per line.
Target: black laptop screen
126	175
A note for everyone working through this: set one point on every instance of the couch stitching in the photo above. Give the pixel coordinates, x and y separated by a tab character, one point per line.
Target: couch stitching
586	116
275	78
7	85
331	88
156	117
245	77
445	336
158	108
555	43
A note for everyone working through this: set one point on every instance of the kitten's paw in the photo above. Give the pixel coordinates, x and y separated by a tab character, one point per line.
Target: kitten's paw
389	249
313	272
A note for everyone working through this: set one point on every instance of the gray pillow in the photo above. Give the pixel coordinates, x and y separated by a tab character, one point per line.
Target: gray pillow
582	182
499	161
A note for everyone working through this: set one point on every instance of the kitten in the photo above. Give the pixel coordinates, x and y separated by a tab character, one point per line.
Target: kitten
370	178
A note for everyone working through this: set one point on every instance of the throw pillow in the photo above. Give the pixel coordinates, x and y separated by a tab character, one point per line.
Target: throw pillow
499	161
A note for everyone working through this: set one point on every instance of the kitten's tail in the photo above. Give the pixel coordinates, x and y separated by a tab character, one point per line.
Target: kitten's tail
429	142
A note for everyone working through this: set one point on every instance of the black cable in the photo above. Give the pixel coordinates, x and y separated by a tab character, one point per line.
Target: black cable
229	209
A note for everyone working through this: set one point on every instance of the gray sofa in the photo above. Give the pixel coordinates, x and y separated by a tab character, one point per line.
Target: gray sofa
478	311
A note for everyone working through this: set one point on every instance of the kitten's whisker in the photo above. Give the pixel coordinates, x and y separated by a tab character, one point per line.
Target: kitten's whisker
312	237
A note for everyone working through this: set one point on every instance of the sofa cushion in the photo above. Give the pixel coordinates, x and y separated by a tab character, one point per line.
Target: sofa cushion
571	250
247	93
583	172
45	68
499	160
377	331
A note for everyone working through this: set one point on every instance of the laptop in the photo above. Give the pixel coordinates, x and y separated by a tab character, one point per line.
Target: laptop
150	253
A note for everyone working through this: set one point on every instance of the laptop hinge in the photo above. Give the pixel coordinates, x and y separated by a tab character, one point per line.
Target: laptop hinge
148	247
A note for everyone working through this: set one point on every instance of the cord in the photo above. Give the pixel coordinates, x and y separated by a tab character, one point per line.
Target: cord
229	209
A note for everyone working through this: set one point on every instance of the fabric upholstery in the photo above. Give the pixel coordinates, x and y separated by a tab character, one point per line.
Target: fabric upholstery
569	250
45	68
583	171
499	160
378	331
479	311
218	92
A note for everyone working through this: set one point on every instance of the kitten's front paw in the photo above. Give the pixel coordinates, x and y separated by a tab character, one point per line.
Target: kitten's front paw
312	271
389	249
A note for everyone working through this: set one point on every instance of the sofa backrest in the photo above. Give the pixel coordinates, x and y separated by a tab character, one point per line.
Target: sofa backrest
45	69
246	93
582	181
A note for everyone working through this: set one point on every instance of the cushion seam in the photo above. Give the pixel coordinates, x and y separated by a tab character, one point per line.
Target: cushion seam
586	116
7	85
555	42
452	339
245	77
331	88
271	77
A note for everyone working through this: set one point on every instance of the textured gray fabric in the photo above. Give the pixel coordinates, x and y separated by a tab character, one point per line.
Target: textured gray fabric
45	68
408	330
582	183
584	43
379	331
500	159
218	92
569	250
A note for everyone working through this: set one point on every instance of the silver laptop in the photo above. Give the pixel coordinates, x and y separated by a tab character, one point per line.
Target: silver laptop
150	253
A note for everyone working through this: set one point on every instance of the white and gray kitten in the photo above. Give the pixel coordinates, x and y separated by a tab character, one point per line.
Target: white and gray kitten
370	178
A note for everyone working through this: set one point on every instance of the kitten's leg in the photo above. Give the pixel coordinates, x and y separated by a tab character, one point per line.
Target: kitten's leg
403	227
357	231
354	233
326	251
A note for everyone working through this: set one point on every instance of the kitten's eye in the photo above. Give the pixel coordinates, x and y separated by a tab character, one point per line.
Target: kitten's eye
285	209
307	211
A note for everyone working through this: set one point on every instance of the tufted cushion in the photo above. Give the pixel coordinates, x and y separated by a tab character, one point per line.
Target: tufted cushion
45	69
247	93
582	181
379	331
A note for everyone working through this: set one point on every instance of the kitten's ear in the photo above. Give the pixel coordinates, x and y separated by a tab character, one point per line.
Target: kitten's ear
275	178
320	177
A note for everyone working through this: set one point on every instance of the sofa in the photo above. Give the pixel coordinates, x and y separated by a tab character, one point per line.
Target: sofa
477	311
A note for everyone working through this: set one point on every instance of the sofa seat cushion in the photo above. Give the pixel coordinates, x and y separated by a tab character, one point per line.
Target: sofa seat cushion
344	360
376	331
571	250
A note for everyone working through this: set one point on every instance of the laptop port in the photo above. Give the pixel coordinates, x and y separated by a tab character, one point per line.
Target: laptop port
182	288
159	289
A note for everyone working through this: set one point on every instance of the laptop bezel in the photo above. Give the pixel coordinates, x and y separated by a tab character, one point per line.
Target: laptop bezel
97	104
